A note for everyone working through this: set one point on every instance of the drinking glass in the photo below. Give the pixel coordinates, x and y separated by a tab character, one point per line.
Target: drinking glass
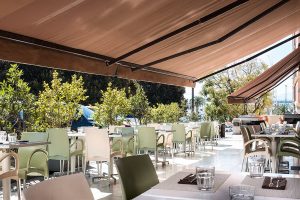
3	136
256	167
12	138
241	192
205	177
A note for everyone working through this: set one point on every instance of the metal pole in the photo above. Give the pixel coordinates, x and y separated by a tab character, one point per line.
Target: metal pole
193	101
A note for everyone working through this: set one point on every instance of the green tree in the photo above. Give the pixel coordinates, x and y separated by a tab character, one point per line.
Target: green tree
199	101
139	104
114	106
15	97
218	87
281	109
59	103
169	113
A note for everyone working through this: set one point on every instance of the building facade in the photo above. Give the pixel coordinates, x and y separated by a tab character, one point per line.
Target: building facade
296	82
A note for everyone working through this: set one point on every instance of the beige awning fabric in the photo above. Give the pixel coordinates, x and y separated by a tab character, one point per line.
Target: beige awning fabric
55	33
267	80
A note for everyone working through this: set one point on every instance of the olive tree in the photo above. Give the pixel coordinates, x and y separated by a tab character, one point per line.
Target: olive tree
59	103
15	99
113	107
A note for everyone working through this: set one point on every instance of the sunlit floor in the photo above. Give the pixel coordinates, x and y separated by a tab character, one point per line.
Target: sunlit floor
226	156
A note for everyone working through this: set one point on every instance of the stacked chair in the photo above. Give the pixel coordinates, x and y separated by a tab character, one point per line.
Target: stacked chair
252	149
289	147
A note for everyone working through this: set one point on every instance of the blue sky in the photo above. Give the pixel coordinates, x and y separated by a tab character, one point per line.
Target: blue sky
270	58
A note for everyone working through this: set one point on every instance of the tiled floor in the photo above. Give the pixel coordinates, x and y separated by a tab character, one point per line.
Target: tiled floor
227	156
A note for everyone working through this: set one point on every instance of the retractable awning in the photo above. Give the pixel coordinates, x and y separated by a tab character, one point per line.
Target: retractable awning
167	41
268	80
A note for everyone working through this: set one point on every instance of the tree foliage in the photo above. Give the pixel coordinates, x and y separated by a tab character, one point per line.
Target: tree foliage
59	103
218	87
114	106
281	109
15	98
139	104
166	113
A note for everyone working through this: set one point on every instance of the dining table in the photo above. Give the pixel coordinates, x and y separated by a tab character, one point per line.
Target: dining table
171	189
5	148
275	138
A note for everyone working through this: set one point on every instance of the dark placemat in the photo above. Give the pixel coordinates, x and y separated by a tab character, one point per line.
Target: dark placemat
274	183
189	179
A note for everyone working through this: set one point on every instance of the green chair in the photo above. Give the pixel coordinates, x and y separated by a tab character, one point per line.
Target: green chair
128	140
122	144
59	147
137	175
33	160
180	137
147	140
205	133
289	147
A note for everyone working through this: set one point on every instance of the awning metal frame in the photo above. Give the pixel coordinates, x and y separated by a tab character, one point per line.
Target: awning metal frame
57	47
251	57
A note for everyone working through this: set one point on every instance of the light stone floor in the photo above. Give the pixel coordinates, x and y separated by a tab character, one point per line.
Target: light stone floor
226	156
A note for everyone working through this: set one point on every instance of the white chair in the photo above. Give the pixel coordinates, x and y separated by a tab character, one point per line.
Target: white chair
97	148
73	187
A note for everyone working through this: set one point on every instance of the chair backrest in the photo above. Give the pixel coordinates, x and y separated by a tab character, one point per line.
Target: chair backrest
137	175
25	152
214	128
246	136
59	147
205	129
73	187
146	138
297	128
179	134
126	131
155	125
12	173
97	144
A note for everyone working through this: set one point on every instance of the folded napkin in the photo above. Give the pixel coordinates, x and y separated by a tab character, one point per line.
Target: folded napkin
276	183
189	179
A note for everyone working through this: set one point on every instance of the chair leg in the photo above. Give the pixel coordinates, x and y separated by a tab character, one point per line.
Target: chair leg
156	157
24	184
19	188
243	164
172	151
84	165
